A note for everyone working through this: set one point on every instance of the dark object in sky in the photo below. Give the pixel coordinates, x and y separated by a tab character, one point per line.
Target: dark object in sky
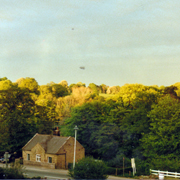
82	67
72	28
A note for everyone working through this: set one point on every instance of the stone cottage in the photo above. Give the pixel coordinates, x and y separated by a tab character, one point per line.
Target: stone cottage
51	151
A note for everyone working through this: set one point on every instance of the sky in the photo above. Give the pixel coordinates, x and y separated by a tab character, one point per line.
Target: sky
117	41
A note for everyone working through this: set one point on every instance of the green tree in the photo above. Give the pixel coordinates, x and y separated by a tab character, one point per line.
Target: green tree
88	168
107	139
164	138
20	117
133	121
3	79
88	118
129	92
64	83
45	119
113	90
172	90
94	88
29	83
103	88
59	91
79	84
16	119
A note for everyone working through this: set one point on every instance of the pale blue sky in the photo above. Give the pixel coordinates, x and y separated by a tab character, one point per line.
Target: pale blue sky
118	42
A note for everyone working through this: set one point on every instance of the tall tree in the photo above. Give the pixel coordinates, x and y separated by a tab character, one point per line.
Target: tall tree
90	118
29	83
94	88
16	119
164	137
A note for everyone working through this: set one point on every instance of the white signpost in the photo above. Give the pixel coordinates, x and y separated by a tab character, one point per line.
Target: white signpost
133	165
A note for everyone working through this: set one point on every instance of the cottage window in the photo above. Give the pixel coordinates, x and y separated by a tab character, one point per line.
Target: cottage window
28	157
49	159
38	157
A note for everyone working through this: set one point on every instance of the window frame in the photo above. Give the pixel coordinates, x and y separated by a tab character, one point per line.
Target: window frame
38	158
49	161
28	157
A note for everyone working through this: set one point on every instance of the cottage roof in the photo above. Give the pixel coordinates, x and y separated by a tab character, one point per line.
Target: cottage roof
50	143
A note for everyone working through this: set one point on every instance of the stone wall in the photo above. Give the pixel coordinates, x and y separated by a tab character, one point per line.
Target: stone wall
68	151
43	164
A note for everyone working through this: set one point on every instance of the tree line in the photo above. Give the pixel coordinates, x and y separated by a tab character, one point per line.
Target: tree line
136	121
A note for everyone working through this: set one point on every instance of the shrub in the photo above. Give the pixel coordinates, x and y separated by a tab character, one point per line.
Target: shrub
111	170
88	168
70	165
36	177
117	161
14	172
142	167
1	173
165	164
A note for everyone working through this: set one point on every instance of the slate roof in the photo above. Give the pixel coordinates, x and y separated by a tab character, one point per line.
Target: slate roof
50	143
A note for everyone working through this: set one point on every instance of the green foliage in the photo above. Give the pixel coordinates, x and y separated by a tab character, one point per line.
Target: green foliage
89	118
113	90
103	88
117	161
163	139
14	172
171	90
20	118
94	88
36	177
129	92
106	138
6	84
64	83
79	84
88	168
142	167
119	171
1	173
44	119
16	118
106	95
59	91
140	121
165	164
29	83
3	79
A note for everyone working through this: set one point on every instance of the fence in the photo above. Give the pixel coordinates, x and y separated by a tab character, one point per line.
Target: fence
166	173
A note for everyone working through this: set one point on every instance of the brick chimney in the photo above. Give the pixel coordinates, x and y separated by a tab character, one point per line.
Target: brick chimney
56	132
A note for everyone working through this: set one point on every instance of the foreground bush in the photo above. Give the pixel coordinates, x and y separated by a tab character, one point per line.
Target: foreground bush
88	168
14	172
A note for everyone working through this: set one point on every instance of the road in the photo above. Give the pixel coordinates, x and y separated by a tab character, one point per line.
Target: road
45	174
34	171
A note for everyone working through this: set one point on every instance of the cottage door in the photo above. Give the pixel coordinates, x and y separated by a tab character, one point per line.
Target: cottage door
61	161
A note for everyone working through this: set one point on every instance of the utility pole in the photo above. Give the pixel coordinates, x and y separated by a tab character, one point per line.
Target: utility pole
76	128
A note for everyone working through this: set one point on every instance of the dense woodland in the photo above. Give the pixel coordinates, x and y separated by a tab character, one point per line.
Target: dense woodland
133	120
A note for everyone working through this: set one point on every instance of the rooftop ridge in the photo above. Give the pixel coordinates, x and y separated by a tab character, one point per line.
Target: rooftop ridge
64	142
30	140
